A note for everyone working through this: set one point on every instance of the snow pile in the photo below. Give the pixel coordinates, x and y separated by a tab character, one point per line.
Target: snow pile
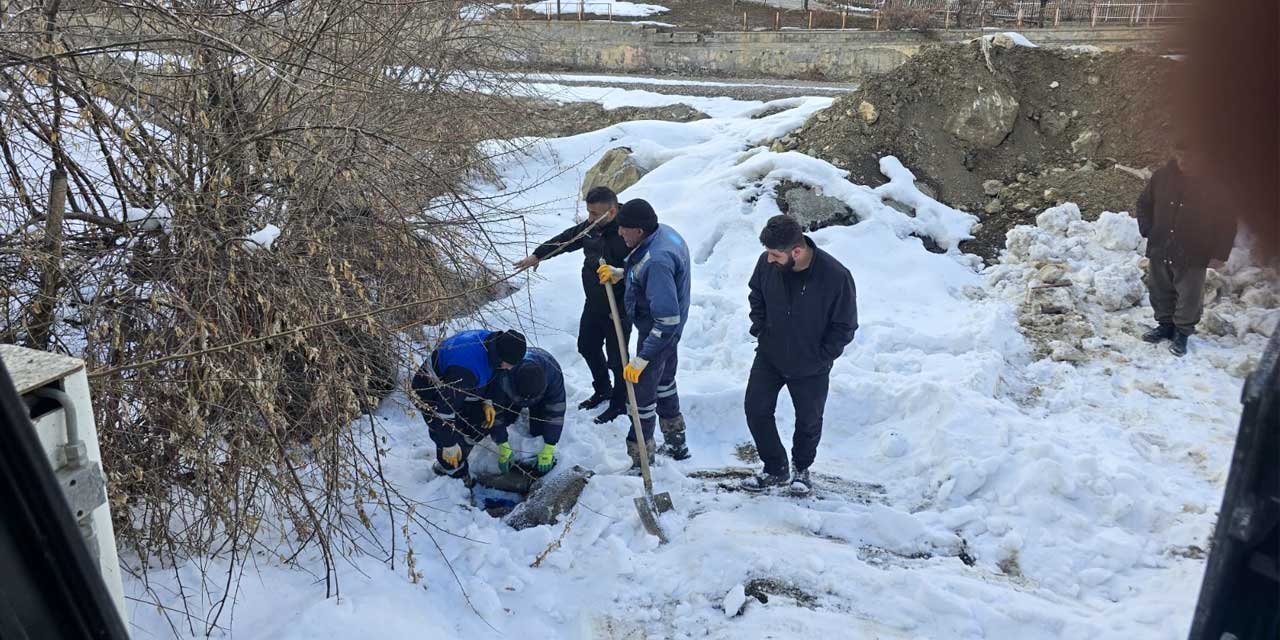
1242	298
1095	262
1071	276
616	8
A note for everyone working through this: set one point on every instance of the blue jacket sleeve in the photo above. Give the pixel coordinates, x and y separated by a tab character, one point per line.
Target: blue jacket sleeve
664	307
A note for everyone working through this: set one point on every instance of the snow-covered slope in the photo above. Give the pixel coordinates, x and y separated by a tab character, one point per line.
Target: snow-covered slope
964	490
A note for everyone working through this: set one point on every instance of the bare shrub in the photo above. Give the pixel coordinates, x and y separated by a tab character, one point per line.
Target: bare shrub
234	212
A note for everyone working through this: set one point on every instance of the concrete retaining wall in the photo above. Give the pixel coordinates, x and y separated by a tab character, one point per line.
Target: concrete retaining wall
831	55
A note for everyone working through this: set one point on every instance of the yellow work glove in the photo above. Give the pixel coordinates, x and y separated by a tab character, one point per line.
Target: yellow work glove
504	457
633	370
608	274
452	456
490	414
546	458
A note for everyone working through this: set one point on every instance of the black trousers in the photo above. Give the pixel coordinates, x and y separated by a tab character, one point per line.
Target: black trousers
1177	294
808	394
595	331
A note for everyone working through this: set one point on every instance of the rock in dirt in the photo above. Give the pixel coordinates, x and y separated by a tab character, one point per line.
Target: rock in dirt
549	498
992	187
1053	123
987	119
617	170
1086	144
867	112
812	210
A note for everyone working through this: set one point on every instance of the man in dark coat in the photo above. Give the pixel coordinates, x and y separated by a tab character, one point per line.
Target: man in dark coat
451	386
595	328
535	385
1185	236
804	312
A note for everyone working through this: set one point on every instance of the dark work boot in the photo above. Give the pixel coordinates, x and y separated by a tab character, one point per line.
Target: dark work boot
596	399
801	485
673	444
1179	345
633	450
1161	332
763	481
611	414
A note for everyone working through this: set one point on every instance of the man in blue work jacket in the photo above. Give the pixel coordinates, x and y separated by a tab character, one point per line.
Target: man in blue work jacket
657	300
451	386
535	385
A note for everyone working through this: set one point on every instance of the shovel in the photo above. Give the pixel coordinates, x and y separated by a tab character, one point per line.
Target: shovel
649	505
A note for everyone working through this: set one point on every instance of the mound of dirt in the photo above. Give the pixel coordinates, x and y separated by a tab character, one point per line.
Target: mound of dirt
963	115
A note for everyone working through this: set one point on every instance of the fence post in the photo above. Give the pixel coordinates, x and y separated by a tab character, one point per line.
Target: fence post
982	16
777	20
548	12
580	7
844	18
744	20
1093	19
1057	15
877	19
610	12
1019	15
946	18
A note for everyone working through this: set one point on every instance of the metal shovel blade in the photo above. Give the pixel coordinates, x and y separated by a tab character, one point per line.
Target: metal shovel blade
648	507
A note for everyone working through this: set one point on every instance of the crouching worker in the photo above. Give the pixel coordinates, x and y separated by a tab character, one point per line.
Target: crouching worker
451	386
535	385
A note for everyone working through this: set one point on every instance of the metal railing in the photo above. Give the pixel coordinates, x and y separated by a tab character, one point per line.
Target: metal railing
897	14
577	9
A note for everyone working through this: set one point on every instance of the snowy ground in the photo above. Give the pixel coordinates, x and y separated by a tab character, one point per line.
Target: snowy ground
965	490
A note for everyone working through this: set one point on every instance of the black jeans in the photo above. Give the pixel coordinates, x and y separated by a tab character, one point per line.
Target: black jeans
594	328
808	394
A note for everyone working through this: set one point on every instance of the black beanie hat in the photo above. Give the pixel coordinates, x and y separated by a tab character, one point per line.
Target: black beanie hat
637	214
530	380
509	346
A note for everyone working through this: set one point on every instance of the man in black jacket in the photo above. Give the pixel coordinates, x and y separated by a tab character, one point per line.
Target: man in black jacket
595	328
1184	236
804	312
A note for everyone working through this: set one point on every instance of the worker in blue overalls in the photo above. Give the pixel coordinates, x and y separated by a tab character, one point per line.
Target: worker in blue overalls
535	385
451	388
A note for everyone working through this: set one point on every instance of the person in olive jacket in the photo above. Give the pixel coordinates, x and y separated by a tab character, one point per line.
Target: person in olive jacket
804	312
595	327
1185	236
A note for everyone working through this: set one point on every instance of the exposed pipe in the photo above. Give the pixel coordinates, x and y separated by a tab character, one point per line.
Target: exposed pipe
74	447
